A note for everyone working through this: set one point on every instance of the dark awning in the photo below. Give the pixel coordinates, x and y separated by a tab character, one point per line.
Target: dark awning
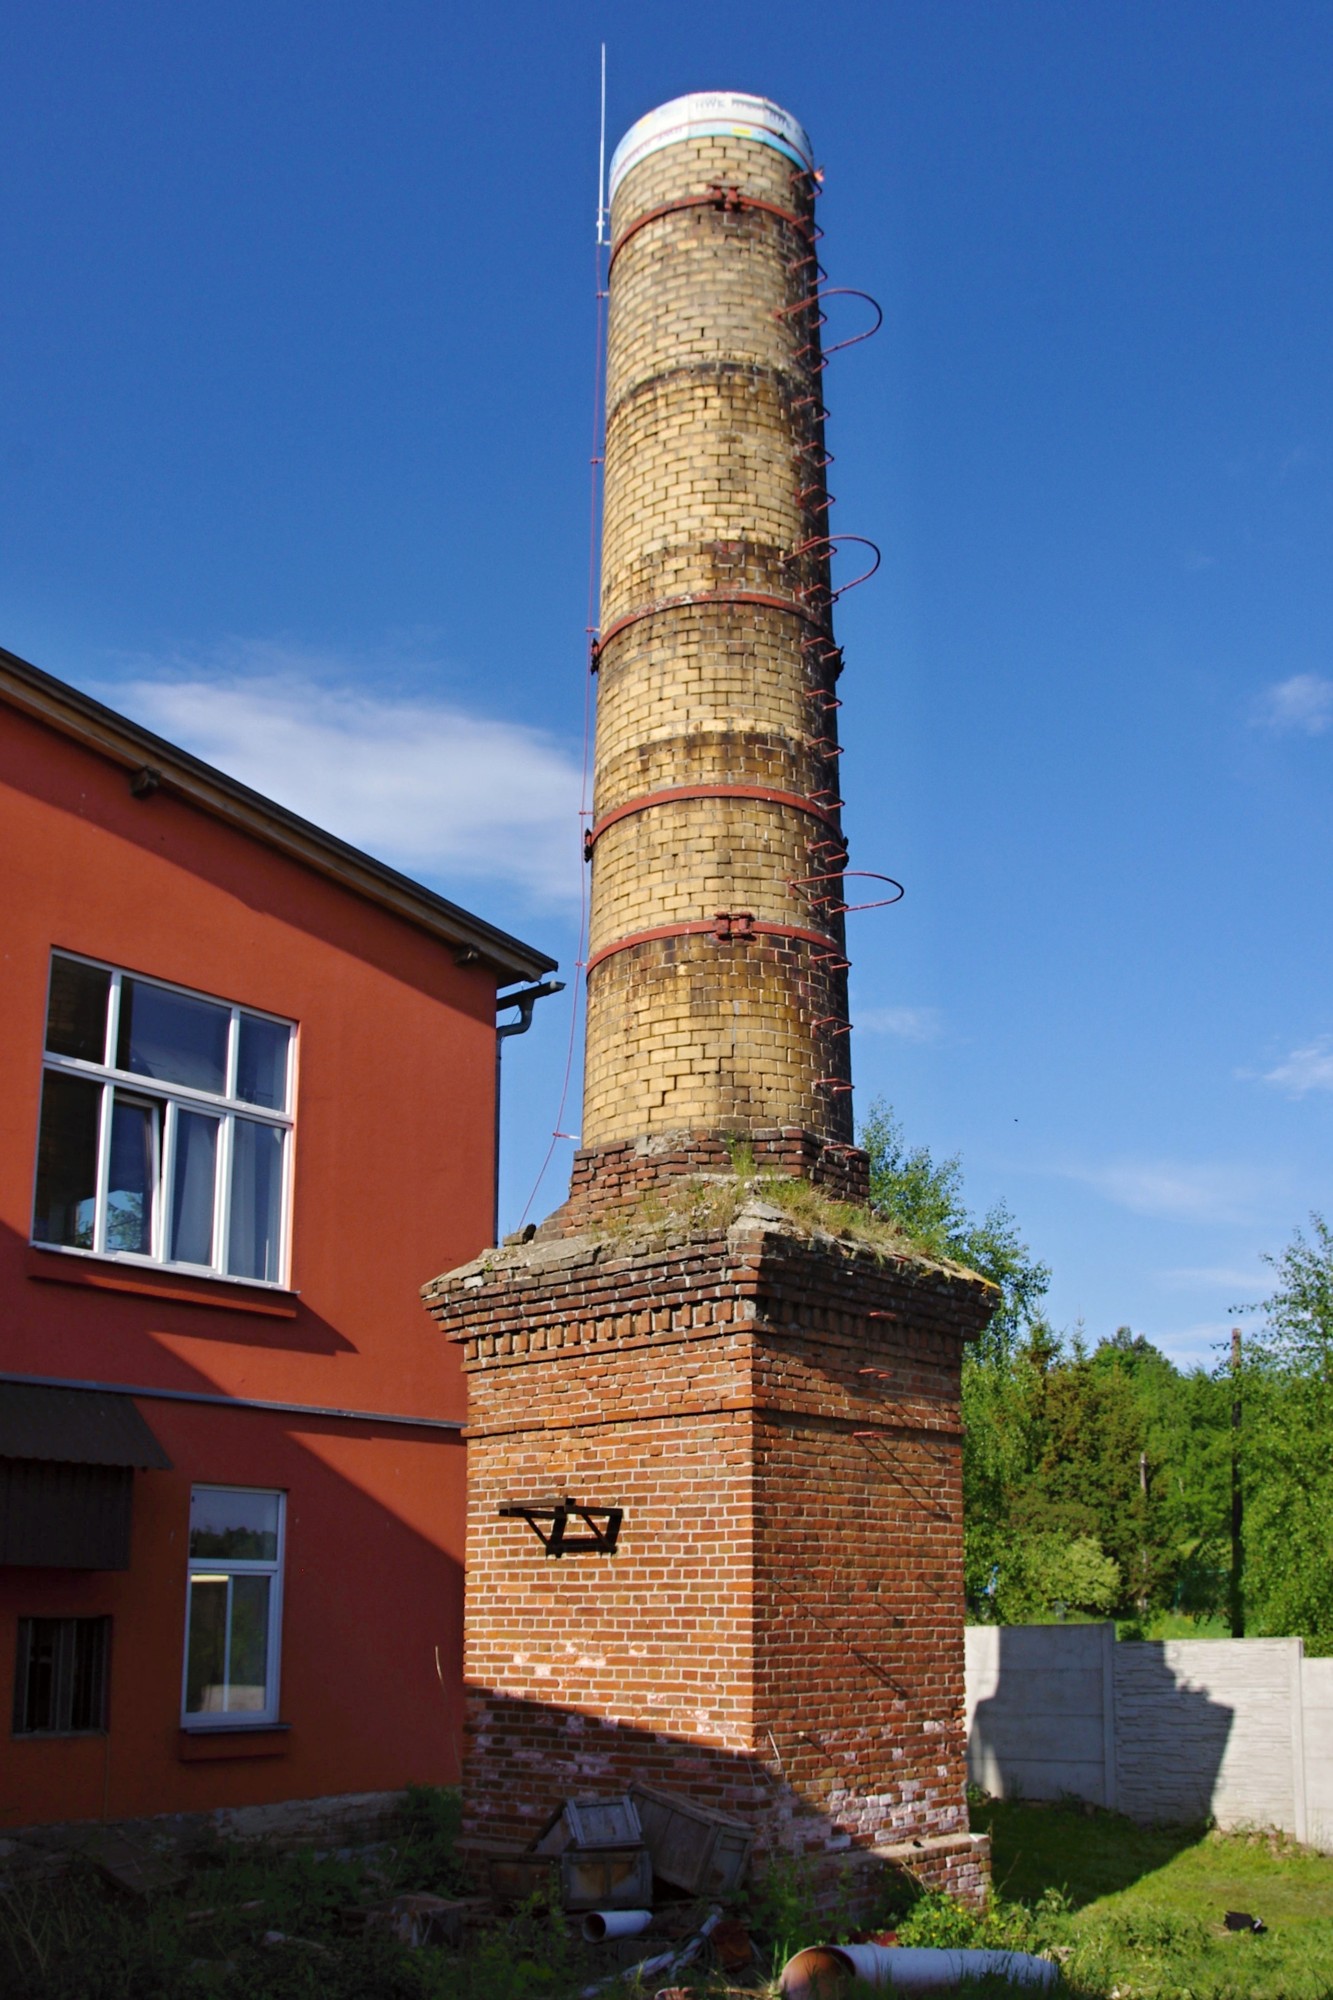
75	1427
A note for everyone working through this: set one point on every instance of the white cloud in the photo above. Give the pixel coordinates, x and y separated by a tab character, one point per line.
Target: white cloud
1308	1068
1303	704
909	1024
1172	1188
1203	1344
427	785
1234	1280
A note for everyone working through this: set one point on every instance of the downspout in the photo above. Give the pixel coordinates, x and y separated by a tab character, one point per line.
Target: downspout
525	1001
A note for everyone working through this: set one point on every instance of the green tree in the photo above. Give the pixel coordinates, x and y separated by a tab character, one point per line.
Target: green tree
1113	1452
1091	1478
925	1196
1042	1576
1186	1444
1287	1446
1001	1371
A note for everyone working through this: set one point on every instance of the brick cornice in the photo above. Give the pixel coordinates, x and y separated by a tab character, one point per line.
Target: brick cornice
582	1295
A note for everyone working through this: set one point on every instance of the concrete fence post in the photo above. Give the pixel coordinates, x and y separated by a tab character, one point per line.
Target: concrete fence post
1299	1812
1110	1790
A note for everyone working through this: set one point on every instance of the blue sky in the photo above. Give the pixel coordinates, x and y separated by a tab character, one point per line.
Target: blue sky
298	360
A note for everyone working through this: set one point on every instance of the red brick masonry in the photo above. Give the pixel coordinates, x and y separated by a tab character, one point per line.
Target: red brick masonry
613	1176
779	1631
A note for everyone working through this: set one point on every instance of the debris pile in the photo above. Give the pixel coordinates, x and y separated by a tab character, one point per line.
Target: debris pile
638	1869
643	1879
607	1853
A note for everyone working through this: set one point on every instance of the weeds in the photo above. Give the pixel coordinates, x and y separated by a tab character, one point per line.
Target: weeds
77	1941
708	1204
252	1924
703	1205
432	1819
780	1908
1130	1913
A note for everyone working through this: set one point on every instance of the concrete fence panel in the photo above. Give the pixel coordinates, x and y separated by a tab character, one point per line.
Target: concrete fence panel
1236	1730
1317	1703
1173	1730
1038	1706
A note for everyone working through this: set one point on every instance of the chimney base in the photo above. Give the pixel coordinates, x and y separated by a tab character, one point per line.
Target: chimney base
776	1630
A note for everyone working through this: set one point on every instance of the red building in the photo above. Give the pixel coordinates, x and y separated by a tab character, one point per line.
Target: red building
249	1077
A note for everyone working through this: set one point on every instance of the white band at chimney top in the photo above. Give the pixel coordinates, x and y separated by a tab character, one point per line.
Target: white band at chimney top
706	114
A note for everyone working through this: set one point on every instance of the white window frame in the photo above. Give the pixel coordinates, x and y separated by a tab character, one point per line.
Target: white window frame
226	1107
232	1567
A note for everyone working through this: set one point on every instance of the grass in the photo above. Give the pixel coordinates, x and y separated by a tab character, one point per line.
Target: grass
704	1204
79	1939
1139	1909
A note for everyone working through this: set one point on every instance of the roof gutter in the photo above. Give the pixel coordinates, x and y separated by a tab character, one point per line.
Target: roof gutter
525	1001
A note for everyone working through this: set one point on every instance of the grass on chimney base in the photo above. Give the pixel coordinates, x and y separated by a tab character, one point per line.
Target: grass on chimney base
706	1204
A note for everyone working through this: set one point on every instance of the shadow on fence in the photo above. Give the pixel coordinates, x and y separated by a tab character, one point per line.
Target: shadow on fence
1060	1711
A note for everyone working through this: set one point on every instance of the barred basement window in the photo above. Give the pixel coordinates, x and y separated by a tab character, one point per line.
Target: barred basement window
63	1676
166	1126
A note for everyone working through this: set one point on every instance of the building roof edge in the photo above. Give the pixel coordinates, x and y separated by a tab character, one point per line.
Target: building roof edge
41	695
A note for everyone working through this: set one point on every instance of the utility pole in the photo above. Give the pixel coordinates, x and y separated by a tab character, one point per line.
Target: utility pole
1143	1546
1237	1498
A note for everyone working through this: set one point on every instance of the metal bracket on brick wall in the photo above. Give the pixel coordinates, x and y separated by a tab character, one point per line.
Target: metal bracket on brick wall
556	1514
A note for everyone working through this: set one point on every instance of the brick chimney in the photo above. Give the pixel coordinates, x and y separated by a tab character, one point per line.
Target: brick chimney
714	1474
717	982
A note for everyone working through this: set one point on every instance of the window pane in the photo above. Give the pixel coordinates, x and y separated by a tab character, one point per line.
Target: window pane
135	1138
247	1689
76	1010
206	1646
88	1677
67	1162
231	1522
38	1695
256	1201
193	1186
261	1064
172	1036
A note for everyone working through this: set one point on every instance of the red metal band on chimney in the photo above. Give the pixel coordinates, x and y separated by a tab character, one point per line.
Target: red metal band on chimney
797	800
691	597
751	927
725	199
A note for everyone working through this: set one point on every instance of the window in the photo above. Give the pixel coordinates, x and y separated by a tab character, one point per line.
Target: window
166	1126
234	1611
60	1686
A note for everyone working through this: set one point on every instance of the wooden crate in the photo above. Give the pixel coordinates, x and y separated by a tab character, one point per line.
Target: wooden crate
692	1846
606	1878
603	1822
516	1876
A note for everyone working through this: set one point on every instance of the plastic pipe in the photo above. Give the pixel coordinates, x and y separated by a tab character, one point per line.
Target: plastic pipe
818	1971
601	1924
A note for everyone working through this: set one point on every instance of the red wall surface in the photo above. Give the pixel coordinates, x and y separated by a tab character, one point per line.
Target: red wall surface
394	1124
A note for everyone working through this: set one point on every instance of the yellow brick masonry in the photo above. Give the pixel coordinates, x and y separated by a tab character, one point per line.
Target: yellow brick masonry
713	482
